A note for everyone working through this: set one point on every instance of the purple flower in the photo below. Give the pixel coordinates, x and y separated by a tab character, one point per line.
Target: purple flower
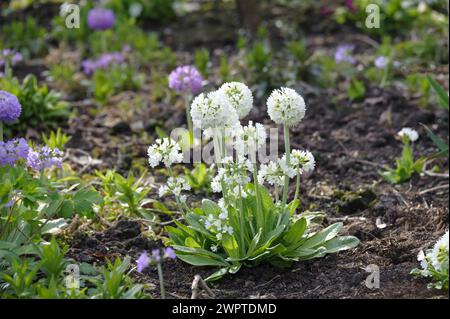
169	253
12	151
156	255
44	157
343	54
101	19
103	62
10	55
10	107
142	262
381	62
185	79
9	204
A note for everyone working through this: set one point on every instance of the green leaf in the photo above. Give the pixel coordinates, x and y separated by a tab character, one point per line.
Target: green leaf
443	96
210	208
217	275
341	243
440	144
196	260
322	236
296	232
84	200
230	245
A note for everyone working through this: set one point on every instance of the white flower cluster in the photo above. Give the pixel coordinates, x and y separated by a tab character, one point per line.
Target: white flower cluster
166	151
219	224
300	162
412	134
250	138
436	257
271	173
232	174
175	185
213	110
239	97
285	106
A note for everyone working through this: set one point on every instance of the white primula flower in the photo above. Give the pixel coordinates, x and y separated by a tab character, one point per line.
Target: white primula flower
232	174
300	162
175	185
213	110
285	106
214	248
410	133
250	138
166	151
271	173
239	97
423	260
439	250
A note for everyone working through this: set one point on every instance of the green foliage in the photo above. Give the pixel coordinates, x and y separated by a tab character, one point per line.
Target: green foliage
200	177
25	36
56	140
155	10
115	283
201	61
41	107
114	80
356	89
405	166
127	194
281	240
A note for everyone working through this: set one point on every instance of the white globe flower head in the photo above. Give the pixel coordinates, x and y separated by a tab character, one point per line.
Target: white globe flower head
175	185
166	151
239	97
212	110
438	252
300	162
271	173
410	133
285	106
250	138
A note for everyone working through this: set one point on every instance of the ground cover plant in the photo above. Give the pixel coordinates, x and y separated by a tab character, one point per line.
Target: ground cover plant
223	149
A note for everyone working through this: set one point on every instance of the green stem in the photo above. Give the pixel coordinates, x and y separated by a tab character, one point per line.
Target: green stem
187	101
287	147
297	186
1	131
161	281
103	42
260	215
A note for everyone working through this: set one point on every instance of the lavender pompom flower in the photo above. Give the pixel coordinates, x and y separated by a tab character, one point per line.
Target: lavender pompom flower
101	19
143	262
169	253
12	151
186	79
344	54
11	56
44	157
381	62
10	107
103	62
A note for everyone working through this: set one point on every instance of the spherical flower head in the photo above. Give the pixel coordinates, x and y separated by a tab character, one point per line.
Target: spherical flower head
344	54
186	79
12	151
409	133
44	157
381	62
212	110
156	256
271	173
439	253
169	253
250	138
143	262
100	19
10	107
166	151
239	96
300	162
175	185
11	56
285	106
232	174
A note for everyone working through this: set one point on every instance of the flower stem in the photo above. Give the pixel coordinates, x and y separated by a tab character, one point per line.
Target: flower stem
287	147
297	186
187	101
1	131
161	281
